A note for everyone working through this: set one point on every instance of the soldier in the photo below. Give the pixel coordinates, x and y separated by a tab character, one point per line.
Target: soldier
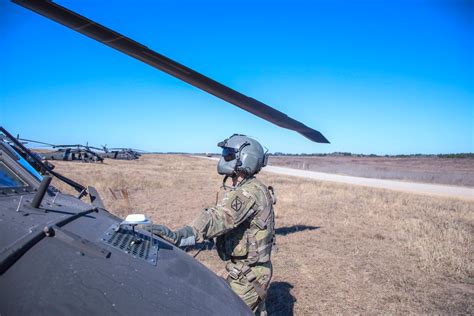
242	223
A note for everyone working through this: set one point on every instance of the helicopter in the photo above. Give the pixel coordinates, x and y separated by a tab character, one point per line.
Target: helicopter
72	153
63	255
120	153
77	152
84	153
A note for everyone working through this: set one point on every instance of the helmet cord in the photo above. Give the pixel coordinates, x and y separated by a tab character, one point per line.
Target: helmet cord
224	181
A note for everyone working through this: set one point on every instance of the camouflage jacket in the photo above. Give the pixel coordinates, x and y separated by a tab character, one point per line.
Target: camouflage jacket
243	223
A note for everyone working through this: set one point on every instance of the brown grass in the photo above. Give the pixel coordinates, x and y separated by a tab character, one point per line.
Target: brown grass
342	249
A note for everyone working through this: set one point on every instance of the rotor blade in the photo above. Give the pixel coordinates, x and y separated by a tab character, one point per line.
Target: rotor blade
136	50
96	148
139	150
69	146
35	141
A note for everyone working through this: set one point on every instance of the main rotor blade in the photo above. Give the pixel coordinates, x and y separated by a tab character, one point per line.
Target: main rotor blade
136	50
96	148
35	141
69	146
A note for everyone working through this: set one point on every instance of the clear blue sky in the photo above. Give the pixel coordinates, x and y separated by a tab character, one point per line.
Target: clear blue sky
384	77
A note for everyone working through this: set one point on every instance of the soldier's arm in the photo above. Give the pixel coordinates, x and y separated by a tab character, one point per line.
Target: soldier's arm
234	209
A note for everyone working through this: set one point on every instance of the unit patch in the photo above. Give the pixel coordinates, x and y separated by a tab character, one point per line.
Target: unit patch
236	204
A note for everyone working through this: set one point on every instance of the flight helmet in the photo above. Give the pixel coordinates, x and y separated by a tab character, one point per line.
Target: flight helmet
241	153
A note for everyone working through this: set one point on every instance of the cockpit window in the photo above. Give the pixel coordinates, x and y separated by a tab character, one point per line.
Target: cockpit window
8	179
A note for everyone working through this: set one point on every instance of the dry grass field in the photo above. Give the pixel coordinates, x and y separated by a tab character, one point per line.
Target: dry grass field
341	249
452	171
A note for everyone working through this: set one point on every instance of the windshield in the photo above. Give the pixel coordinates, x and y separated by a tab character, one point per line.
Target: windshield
28	167
8	179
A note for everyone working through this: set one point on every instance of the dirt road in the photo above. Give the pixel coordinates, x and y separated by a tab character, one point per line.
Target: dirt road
411	187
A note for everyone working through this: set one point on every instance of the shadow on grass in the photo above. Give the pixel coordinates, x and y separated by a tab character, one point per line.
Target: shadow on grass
280	301
283	231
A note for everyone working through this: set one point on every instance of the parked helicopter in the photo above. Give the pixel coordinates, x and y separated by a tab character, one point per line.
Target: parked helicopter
85	153
61	255
120	153
74	152
77	152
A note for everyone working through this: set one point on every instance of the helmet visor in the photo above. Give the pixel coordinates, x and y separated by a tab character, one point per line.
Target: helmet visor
229	153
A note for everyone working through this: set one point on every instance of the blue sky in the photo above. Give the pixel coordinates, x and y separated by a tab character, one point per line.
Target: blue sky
384	77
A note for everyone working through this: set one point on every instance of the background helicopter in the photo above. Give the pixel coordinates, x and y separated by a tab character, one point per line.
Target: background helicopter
120	153
76	152
61	255
85	153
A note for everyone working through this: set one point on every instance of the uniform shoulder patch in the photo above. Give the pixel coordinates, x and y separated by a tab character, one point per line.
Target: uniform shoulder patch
236	204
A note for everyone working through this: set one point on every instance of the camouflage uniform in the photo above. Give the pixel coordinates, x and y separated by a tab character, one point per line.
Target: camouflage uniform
243	224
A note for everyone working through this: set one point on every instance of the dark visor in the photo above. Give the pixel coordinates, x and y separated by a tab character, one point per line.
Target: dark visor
228	153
